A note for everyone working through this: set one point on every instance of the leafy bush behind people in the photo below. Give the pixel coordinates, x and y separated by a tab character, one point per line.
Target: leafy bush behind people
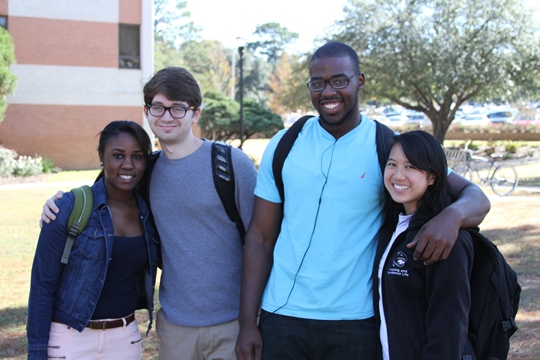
11	164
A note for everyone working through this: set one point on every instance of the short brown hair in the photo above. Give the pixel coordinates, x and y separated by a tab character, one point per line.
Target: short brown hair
175	83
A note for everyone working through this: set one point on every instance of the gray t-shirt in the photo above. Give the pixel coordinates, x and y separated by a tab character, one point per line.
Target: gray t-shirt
201	246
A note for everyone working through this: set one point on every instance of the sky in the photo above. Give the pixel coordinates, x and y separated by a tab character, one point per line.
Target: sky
225	20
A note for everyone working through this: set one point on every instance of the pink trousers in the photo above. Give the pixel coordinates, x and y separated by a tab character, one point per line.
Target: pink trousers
119	343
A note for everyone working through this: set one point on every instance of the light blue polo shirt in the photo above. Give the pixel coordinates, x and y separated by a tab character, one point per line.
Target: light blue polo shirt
323	258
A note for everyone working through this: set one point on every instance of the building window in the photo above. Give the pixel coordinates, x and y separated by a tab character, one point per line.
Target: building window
130	47
3	21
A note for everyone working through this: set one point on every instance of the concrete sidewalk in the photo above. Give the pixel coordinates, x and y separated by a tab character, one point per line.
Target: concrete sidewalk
63	185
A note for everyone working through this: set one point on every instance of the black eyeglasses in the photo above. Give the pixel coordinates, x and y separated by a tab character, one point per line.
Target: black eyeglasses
177	112
338	82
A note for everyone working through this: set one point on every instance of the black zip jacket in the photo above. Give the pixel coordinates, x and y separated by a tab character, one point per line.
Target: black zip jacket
426	307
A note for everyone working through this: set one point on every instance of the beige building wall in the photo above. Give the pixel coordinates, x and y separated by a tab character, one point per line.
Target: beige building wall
69	81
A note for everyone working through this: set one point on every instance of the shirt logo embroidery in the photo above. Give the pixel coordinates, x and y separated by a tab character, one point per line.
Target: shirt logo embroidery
398	262
400	259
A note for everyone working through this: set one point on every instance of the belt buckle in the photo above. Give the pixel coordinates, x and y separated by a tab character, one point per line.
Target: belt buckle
103	325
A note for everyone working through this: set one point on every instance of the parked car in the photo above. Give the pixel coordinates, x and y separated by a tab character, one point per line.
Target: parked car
417	118
502	117
475	120
393	119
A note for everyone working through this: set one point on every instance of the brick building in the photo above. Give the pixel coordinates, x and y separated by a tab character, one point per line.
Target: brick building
80	64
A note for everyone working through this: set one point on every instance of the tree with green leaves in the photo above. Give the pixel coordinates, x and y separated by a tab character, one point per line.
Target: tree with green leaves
293	93
8	81
257	73
273	40
262	60
433	56
260	120
209	62
172	28
220	118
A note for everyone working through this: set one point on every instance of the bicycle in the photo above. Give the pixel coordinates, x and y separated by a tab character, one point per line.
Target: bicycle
502	177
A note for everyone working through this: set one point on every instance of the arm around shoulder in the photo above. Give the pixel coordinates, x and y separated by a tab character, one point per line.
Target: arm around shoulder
436	238
470	204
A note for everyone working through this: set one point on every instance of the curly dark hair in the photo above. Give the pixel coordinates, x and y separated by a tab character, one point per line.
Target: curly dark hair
336	49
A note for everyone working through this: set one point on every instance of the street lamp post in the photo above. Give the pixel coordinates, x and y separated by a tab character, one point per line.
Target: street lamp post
241	65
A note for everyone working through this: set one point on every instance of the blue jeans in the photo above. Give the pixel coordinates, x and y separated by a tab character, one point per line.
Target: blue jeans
286	337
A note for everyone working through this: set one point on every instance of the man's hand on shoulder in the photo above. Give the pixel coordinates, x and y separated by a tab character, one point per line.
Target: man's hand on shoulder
50	209
436	238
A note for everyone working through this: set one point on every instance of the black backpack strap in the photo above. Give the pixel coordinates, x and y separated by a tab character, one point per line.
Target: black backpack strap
223	173
384	138
282	150
144	184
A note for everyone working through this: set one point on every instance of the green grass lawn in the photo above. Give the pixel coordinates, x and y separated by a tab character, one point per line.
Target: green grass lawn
63	176
512	223
20	211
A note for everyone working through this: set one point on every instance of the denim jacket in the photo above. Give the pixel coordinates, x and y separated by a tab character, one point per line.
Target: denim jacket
69	293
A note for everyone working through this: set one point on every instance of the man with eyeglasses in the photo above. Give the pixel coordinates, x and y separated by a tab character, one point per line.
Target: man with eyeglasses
308	261
201	247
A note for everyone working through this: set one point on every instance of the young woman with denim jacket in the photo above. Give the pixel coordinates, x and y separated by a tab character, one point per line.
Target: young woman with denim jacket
85	309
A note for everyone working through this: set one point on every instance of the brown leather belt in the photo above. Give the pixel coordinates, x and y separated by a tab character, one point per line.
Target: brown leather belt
110	324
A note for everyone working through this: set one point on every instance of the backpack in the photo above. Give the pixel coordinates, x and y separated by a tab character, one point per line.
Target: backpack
495	294
84	200
383	137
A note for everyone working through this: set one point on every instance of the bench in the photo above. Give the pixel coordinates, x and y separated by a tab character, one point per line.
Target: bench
456	156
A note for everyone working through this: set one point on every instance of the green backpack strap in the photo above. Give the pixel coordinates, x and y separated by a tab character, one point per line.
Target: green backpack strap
78	218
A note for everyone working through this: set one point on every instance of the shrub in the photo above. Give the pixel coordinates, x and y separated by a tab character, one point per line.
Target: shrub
13	164
511	148
7	161
470	145
27	166
48	165
532	129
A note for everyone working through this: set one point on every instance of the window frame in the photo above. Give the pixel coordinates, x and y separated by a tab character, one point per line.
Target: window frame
129	46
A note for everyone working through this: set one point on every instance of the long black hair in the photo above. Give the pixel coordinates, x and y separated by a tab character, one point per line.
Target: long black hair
425	152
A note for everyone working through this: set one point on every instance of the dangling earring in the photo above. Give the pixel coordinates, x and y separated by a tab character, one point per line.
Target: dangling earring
101	163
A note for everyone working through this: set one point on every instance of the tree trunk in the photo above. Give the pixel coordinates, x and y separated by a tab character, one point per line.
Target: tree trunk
440	123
